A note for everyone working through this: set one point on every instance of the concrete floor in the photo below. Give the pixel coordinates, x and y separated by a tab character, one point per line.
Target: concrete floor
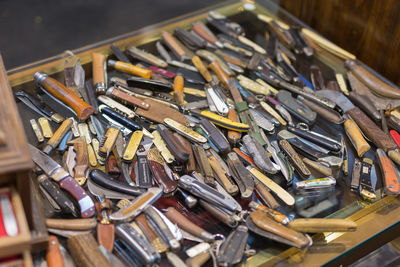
33	30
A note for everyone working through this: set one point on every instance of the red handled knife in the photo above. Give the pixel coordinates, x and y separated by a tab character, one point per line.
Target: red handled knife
66	182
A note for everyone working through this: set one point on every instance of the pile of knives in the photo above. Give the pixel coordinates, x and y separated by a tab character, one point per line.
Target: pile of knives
213	128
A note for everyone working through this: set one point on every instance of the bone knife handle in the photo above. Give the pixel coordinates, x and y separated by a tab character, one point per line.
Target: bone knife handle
357	139
198	260
53	254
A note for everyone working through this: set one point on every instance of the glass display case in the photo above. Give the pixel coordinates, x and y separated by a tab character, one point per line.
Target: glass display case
378	221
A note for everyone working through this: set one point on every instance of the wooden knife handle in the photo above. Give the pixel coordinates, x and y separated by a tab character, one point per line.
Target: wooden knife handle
197	28
172	43
98	61
130	69
81	162
176	148
178	90
202	68
371	130
106	235
221	74
370	80
58	135
389	172
85	202
61	92
143	224
198	260
229	187
233	136
185	224
128	98
53	254
357	139
191	164
262	220
328	115
318	225
156	164
266	195
72	224
86	252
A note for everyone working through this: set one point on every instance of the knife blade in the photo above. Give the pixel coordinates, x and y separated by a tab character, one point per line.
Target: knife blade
60	175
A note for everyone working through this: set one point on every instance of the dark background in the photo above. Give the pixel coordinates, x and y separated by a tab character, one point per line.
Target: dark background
34	30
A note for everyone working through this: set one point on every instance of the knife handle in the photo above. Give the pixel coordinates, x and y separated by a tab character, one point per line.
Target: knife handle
202	68
81	162
219	214
371	130
58	136
72	224
233	136
370	80
389	172
356	138
221	74
176	148
268	198
178	90
86	252
221	173
99	74
185	224
198	260
84	201
156	164
130	69
131	100
143	224
318	166
294	158
191	164
319	225
53	255
82	109
172	43
364	103
329	115
204	164
197	28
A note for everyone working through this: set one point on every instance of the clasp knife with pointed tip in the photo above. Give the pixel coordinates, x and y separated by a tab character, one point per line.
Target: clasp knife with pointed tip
60	175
